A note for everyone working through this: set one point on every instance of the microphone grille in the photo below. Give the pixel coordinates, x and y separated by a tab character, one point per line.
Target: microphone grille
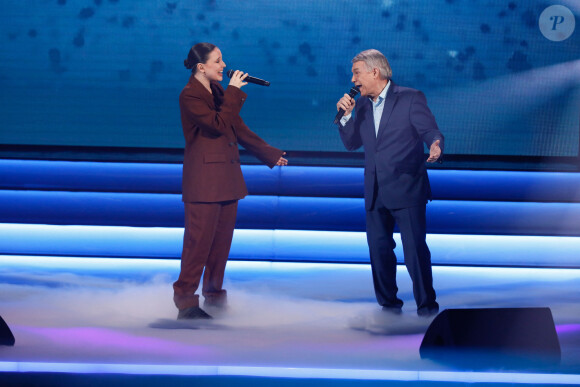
354	91
230	73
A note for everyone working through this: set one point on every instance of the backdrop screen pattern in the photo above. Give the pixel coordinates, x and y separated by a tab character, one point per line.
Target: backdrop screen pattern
109	72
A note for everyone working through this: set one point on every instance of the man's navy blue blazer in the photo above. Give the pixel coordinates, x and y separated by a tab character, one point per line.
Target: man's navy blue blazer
395	158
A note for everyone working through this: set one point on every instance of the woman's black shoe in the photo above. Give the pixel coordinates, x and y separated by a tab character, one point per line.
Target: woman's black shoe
195	312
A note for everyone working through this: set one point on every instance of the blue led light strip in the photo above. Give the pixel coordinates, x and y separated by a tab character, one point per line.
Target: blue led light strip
286	372
285	245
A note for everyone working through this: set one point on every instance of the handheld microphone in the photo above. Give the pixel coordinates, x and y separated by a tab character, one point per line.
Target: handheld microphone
352	93
250	79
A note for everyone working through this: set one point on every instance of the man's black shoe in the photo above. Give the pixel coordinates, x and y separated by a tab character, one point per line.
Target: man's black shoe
195	312
428	312
392	310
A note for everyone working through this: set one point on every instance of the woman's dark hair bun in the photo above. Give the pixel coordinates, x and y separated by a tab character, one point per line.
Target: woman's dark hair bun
198	54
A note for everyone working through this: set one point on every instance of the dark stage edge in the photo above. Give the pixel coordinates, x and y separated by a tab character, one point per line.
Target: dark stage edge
99	380
296	157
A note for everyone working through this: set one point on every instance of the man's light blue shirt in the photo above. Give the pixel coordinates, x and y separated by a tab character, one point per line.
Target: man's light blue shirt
378	108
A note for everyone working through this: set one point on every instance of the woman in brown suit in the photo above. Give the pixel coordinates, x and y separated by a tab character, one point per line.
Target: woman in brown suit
212	176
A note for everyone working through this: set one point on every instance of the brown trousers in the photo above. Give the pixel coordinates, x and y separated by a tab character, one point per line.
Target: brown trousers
209	229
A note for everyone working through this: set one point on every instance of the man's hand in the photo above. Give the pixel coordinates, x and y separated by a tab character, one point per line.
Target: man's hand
282	160
346	103
434	152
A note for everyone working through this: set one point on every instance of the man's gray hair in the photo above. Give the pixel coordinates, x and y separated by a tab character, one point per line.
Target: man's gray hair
374	58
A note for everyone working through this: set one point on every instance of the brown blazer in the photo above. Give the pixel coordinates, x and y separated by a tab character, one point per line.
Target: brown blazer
213	128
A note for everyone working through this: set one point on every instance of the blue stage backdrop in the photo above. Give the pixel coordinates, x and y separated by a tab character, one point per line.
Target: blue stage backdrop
502	77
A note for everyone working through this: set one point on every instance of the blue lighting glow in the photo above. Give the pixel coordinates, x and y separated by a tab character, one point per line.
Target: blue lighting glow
284	245
284	372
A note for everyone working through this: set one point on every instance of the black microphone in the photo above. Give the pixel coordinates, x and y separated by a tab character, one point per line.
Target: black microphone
352	93
249	79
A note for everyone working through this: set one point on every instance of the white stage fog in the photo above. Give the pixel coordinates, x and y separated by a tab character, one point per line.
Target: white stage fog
99	312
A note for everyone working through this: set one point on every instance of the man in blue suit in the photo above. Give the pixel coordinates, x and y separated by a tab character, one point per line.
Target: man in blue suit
392	123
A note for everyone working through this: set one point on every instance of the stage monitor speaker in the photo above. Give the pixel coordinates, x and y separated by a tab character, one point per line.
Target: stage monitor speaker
6	336
522	331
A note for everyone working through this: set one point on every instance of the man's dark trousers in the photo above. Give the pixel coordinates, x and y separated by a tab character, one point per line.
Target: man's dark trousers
412	225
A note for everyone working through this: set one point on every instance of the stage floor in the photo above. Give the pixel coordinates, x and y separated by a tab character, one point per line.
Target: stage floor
285	320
